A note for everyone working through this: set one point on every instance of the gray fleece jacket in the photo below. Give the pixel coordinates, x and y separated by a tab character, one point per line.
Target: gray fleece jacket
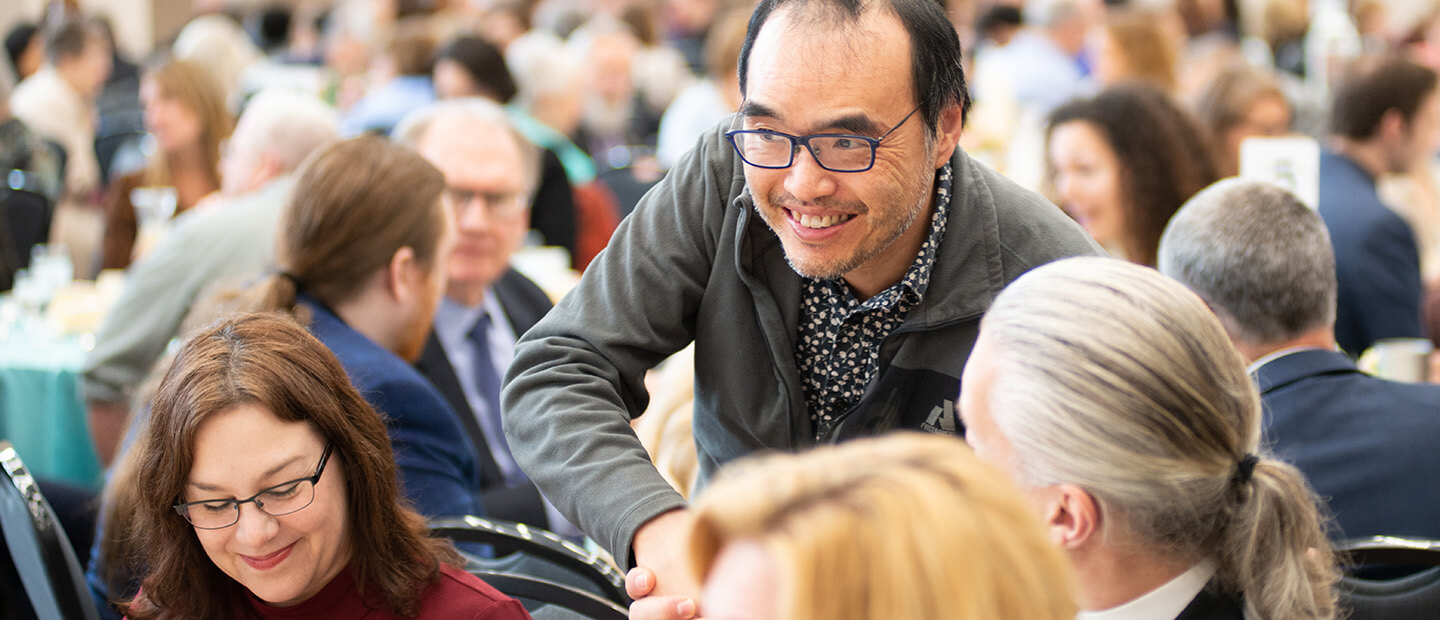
695	263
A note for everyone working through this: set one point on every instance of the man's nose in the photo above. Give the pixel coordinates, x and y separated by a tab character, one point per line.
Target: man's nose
474	215
806	179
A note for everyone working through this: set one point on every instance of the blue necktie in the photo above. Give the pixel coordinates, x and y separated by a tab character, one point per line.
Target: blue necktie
487	379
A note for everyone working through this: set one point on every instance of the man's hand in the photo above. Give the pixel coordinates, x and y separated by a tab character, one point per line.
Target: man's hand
661	583
639	583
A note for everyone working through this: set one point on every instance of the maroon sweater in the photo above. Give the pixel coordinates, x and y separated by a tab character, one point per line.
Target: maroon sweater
456	595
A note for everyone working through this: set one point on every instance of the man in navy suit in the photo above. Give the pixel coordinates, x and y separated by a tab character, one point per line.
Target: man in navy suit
492	172
1385	118
1263	262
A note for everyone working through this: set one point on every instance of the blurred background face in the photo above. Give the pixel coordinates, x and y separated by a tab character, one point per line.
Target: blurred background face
486	162
611	56
93	66
452	80
173	123
283	560
1087	180
1268	117
1424	134
1111	66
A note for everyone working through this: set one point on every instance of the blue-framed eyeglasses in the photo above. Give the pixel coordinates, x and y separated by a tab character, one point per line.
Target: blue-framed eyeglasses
836	152
279	500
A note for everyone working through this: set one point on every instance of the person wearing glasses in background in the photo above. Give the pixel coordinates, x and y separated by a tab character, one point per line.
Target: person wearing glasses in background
491	171
273	493
830	253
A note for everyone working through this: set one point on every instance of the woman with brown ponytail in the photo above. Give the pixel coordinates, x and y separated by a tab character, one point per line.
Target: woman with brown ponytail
1114	396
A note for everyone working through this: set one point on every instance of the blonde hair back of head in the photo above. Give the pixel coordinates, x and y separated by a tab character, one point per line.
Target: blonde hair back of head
905	526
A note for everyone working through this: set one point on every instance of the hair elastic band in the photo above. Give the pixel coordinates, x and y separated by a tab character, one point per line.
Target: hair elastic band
1246	468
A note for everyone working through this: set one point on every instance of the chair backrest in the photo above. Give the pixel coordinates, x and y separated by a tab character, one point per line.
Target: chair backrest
543	597
523	549
37	548
1370	591
27	211
1390	551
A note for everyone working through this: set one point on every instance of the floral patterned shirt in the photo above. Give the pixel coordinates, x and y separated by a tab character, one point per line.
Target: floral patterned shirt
838	347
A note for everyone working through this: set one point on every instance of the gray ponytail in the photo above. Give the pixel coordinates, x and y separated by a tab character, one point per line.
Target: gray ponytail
1114	378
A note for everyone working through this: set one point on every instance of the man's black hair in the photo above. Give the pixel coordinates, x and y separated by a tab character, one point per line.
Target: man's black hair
935	58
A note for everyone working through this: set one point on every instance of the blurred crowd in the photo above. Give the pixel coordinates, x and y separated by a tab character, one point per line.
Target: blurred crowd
373	170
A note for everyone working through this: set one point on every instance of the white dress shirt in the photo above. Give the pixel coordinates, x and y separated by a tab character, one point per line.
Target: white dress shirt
1163	603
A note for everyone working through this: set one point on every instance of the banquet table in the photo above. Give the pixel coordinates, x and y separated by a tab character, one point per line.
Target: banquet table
41	410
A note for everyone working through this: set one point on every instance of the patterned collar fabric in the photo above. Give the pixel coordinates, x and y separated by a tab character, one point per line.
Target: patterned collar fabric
838	345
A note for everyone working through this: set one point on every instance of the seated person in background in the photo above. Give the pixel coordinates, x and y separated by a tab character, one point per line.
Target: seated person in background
236	239
1113	395
361	251
58	102
1386	112
1133	46
185	113
1262	261
490	173
1122	162
909	526
256	408
709	100
404	83
472	67
1241	102
24	50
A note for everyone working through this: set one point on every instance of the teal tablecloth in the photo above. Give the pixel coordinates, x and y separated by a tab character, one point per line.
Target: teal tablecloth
41	411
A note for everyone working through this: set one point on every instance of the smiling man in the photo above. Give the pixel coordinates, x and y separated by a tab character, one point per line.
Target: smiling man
829	251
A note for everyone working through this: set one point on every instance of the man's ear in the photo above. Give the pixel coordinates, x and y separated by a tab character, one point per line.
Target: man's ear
1393	125
1072	516
947	133
402	275
266	169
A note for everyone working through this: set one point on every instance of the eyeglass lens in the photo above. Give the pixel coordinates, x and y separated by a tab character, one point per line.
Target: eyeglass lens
772	150
499	204
275	501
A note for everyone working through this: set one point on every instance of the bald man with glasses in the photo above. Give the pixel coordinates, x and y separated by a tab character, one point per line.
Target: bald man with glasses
829	251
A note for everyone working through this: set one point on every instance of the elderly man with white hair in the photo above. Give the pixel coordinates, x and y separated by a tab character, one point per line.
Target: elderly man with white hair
224	243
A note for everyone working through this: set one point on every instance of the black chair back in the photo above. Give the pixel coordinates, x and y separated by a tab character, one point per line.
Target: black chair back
547	599
27	211
38	552
532	551
1371	591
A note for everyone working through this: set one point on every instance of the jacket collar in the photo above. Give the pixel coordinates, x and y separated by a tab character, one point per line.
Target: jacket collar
1288	369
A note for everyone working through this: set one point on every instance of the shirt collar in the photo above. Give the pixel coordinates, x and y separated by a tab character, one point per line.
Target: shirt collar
454	320
1275	355
1166	601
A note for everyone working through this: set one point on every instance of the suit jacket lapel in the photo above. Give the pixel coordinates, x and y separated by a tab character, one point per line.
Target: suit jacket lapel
436	367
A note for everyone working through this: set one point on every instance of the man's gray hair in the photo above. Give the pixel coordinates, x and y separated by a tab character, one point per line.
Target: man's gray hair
481	113
287	125
1258	256
1047	13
